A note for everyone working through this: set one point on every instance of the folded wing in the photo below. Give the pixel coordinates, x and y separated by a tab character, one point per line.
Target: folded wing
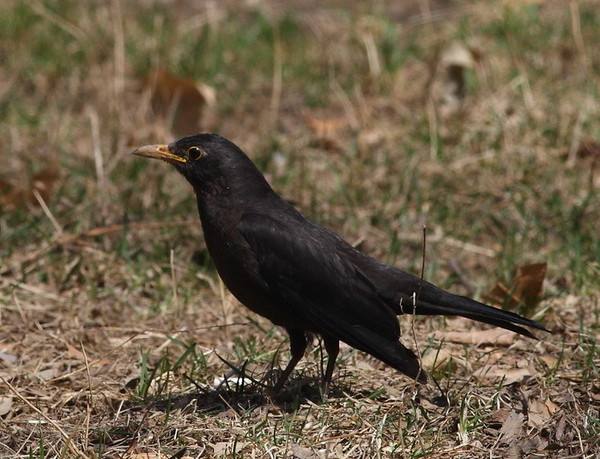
305	272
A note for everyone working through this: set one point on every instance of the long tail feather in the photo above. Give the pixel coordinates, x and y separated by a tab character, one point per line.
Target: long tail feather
434	301
433	310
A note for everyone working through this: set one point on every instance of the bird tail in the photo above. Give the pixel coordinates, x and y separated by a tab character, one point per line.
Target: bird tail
434	301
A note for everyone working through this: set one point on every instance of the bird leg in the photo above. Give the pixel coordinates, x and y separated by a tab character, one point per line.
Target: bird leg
297	347
332	346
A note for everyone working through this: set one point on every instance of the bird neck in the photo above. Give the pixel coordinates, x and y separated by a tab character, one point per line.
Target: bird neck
236	181
221	211
229	197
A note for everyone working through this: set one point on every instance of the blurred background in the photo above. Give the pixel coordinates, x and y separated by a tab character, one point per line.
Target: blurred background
478	119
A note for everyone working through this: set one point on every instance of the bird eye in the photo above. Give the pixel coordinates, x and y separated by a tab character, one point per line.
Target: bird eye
195	153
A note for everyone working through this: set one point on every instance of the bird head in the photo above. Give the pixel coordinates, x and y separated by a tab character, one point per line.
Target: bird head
211	163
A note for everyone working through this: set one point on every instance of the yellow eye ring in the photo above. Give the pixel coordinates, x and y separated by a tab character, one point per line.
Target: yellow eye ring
195	153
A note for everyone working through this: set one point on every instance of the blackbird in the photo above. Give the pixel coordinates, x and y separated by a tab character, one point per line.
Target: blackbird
302	276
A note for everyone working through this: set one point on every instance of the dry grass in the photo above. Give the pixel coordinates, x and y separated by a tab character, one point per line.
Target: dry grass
114	326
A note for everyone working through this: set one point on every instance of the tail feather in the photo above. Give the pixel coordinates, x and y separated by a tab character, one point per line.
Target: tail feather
434	301
433	310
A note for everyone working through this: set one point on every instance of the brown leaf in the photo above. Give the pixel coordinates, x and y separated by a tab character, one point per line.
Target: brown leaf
75	353
495	374
499	416
6	404
5	190
15	196
500	294
538	413
588	149
496	336
433	357
529	281
550	361
324	127
180	100
300	452
326	130
47	374
530	444
43	182
512	428
526	287
148	455
8	358
560	428
223	448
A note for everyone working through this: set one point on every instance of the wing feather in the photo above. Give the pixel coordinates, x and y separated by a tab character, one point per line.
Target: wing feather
304	270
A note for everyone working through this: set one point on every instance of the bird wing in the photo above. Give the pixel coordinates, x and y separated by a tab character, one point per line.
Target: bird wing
307	274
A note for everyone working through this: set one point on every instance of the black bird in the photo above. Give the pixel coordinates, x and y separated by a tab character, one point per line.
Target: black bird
301	276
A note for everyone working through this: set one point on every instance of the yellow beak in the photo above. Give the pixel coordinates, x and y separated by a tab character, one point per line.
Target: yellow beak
159	152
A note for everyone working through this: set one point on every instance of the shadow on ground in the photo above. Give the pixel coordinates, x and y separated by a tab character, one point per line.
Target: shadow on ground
244	398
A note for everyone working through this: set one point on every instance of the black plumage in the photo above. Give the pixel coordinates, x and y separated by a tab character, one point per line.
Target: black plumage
300	275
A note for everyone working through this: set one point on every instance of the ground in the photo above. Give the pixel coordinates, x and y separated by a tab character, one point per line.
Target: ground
479	121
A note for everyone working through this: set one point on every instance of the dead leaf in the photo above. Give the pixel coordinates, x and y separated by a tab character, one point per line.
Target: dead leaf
43	182
74	353
495	336
11	197
8	358
540	412
15	196
364	365
119	341
300	452
148	455
529	444
326	130
449	90
433	357
6	404
459	55
368	139
180	100
552	407
529	282
47	374
550	361
223	448
324	127
514	452
526	287
499	416
493	373
588	149
560	428
512	428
